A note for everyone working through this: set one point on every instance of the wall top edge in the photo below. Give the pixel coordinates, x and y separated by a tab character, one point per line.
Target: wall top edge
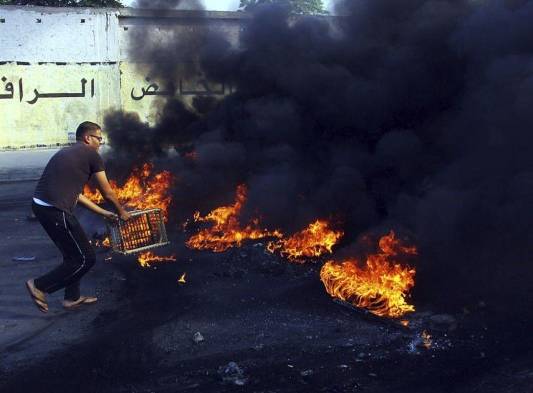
128	12
57	10
143	13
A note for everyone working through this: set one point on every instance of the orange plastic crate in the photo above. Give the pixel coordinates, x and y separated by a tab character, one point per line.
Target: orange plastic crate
143	231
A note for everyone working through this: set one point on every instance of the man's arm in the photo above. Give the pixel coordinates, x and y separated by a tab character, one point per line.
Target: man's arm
87	203
107	192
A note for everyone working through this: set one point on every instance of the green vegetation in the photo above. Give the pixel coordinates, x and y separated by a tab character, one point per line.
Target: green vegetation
311	7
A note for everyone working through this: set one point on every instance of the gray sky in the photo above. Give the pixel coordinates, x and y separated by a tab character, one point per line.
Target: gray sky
217	5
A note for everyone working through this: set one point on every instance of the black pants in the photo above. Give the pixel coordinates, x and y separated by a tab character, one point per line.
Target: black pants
78	254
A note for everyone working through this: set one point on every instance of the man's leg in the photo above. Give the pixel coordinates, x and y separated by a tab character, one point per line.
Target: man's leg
72	291
78	254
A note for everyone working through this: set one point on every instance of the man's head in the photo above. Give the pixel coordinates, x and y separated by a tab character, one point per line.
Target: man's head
90	134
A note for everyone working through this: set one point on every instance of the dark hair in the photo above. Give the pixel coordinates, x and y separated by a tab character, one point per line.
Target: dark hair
86	127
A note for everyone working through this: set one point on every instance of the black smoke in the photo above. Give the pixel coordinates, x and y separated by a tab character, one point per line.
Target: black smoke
413	114
170	4
162	50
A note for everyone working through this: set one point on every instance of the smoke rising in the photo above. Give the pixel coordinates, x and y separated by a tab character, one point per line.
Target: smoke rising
413	114
170	4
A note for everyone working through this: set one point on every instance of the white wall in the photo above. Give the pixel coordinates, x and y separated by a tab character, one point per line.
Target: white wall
44	34
46	53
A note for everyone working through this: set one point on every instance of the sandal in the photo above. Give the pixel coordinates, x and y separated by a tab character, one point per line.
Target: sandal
37	296
73	304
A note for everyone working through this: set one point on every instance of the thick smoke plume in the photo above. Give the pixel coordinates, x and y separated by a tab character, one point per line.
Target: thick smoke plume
413	115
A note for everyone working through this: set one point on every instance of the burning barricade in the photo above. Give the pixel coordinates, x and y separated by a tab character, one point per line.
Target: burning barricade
379	285
226	230
312	242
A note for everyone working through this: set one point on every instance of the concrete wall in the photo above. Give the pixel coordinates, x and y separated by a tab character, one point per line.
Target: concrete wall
60	66
47	34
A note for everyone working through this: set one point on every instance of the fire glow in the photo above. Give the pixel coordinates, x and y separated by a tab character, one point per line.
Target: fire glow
226	231
312	242
142	190
381	286
147	258
106	243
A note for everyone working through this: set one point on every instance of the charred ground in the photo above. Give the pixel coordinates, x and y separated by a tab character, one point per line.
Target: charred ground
274	320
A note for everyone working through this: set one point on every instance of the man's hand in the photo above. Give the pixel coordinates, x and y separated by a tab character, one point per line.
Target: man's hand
86	202
124	215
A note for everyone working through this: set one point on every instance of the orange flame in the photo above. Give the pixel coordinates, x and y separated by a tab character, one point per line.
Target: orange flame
314	241
101	243
226	231
380	287
141	190
146	258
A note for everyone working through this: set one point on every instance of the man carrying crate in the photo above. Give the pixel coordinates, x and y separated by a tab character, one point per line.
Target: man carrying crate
57	193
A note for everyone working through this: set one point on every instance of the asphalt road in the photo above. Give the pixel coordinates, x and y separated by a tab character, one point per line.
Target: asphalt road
23	164
27	335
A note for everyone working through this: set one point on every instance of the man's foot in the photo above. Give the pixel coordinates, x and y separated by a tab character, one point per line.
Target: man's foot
73	304
38	297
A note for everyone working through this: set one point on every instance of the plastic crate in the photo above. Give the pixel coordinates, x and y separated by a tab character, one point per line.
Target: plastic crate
143	231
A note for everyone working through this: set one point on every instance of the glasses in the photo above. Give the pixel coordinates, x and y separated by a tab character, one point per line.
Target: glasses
99	138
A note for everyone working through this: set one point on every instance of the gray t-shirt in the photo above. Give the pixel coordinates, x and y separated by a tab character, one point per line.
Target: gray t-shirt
65	175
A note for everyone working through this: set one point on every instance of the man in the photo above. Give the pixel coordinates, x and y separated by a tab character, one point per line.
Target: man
57	193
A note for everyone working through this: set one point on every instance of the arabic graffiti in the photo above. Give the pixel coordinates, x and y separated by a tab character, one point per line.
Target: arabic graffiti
9	87
63	95
151	90
199	87
202	87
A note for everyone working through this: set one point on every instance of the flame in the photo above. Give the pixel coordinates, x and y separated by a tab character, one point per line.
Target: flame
181	280
142	190
106	243
314	241
146	258
380	287
226	231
